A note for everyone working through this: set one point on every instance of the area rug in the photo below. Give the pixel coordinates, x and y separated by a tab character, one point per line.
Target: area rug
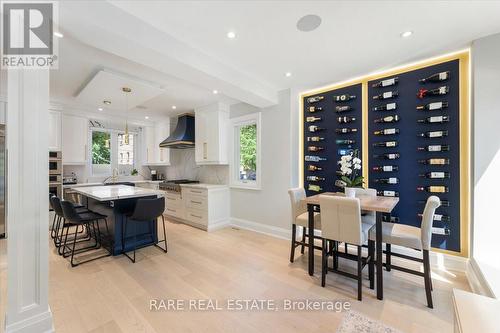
354	322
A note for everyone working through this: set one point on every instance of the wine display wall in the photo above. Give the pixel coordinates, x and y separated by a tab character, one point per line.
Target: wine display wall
418	131
338	117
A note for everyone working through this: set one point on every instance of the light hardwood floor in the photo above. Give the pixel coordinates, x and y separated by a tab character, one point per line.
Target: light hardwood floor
112	294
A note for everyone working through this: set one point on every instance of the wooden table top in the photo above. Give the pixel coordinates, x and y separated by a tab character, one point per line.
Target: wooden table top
367	202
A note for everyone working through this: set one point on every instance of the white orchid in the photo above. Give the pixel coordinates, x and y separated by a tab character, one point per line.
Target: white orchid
349	166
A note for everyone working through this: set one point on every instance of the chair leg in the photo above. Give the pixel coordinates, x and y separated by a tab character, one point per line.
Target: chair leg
335	256
371	270
324	259
388	257
346	250
52	231
73	250
124	231
427	278
164	237
360	269
292	251
304	231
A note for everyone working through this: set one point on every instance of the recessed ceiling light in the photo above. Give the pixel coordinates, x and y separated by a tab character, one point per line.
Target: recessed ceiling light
174	107
231	35
58	34
146	117
106	102
215	92
406	34
308	23
288	74
100	109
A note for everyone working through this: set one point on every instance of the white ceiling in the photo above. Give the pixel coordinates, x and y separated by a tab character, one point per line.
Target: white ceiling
355	37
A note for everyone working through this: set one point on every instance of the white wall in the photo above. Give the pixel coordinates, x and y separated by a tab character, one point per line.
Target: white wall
268	209
486	157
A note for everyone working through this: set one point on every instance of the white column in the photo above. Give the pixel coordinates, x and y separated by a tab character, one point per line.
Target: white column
27	201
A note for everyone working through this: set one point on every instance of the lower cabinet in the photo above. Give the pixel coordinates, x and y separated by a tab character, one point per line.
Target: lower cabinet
204	207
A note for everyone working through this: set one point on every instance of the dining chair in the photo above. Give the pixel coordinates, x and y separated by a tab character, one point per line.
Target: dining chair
414	238
300	217
368	217
341	222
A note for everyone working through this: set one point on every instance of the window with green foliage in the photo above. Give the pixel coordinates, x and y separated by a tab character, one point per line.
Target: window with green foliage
101	152
245	163
248	152
111	151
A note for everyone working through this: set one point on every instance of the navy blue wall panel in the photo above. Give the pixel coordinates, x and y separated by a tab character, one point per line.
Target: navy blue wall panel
409	169
329	122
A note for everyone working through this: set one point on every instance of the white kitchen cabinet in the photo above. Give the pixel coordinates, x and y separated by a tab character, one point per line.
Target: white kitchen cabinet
75	131
152	137
211	134
55	131
3	112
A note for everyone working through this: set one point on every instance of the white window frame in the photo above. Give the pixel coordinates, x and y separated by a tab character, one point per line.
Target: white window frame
234	159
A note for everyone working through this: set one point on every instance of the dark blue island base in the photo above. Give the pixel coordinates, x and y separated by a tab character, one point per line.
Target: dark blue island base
139	233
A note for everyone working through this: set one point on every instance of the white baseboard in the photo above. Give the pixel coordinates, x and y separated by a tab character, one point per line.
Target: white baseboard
39	323
217	225
477	282
261	228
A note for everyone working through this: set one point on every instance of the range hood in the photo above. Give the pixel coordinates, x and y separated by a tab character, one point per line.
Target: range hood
183	135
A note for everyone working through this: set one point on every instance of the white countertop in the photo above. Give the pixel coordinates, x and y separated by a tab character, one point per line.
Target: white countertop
204	186
100	184
115	192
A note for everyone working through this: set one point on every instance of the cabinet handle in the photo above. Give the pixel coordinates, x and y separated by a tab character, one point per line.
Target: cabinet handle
195	216
196	202
171	210
193	191
204	150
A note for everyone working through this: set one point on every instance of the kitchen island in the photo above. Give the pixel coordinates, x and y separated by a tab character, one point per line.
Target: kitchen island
116	201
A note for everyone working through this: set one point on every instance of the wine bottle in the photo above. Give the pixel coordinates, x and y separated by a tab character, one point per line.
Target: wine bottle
438	77
343	98
313	119
433	106
390	219
433	189
433	134
434	148
315	109
312	167
314	178
388	193
439	217
385	168
434	120
441	231
387	131
435	161
433	92
342	152
390	156
386	83
387	95
312	158
345	142
314	139
315	188
388	119
314	99
342	108
386	107
444	203
345	119
435	175
345	130
314	128
391	180
314	148
386	144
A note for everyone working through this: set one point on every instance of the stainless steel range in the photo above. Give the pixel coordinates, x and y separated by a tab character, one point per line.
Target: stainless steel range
174	185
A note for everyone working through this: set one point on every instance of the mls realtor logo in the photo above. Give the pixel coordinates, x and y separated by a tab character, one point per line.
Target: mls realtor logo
27	35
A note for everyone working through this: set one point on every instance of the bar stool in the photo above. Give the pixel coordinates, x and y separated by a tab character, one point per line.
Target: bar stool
145	210
88	219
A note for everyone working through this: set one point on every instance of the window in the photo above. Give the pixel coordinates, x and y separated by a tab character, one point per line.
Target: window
109	152
245	161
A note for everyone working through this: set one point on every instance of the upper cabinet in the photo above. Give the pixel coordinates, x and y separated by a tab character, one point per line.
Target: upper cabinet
74	140
55	133
211	134
3	112
152	136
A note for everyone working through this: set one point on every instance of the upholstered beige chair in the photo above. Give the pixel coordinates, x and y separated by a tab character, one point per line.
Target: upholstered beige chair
341	222
368	217
300	217
414	238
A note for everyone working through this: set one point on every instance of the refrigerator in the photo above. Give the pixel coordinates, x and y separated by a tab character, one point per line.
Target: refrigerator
3	168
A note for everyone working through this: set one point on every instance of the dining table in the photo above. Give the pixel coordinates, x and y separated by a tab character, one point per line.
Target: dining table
378	204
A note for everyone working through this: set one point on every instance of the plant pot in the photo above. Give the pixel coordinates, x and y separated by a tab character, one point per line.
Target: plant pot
350	192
